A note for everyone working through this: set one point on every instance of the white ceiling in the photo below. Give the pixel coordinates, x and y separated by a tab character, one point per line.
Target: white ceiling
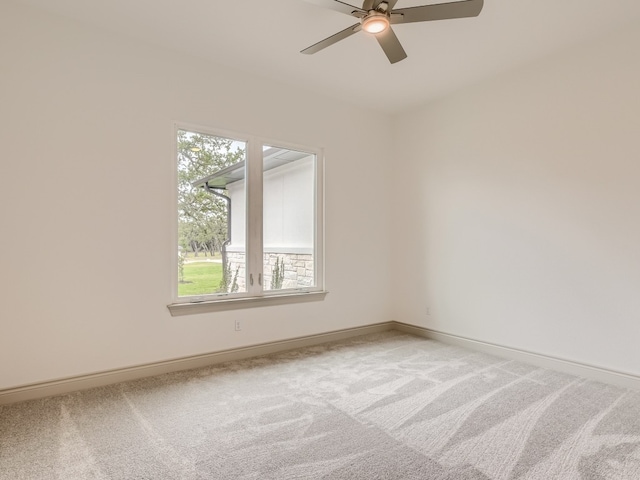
264	38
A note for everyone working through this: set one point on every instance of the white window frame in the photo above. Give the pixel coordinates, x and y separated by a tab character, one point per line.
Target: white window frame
255	295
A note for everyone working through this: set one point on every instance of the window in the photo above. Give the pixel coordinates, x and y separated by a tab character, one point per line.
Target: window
249	219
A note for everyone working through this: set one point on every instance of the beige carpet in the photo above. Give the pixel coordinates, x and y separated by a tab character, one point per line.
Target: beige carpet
385	406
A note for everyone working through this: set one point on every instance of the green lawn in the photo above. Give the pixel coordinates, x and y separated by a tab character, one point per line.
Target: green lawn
200	278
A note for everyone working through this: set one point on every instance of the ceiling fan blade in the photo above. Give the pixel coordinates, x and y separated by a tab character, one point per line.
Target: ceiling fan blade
338	6
440	11
347	32
391	45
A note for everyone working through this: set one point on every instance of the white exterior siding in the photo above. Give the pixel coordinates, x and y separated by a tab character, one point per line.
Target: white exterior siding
288	208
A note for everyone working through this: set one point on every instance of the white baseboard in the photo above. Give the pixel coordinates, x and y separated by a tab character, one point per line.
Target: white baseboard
100	379
591	372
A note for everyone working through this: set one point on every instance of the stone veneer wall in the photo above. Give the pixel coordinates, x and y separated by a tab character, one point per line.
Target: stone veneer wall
298	269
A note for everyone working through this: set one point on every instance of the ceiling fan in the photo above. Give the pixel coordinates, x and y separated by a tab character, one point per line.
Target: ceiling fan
377	16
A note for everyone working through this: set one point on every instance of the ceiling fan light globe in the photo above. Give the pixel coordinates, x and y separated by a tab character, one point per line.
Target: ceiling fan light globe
375	23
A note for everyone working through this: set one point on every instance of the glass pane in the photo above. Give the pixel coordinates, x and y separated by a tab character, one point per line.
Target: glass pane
288	218
211	244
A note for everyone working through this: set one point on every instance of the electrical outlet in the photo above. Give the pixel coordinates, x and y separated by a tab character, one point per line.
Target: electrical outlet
238	326
428	311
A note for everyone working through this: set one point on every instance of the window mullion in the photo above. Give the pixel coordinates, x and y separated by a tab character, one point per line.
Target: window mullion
254	218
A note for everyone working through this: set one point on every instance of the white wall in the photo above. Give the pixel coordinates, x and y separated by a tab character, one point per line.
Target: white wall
86	202
516	204
519	208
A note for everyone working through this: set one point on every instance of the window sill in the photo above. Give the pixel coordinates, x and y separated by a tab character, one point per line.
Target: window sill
179	309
